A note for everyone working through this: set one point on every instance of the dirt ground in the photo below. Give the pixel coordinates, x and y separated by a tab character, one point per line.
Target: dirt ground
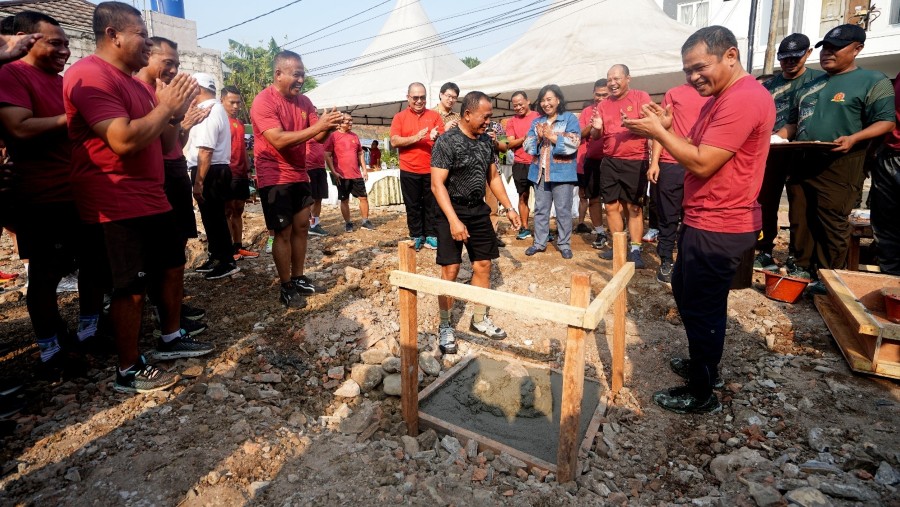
258	421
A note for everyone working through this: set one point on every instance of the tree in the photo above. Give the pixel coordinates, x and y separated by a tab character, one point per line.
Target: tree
470	61
251	69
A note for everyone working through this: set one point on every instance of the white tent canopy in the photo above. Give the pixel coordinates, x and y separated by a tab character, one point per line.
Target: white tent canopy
374	87
575	45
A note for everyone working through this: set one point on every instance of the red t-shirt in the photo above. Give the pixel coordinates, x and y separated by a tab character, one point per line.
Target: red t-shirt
618	141
375	158
271	110
416	158
315	154
893	137
109	187
43	163
593	147
517	127
240	166
739	120
345	149
686	105
177	151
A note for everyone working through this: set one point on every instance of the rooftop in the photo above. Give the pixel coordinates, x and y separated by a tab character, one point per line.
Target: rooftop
71	13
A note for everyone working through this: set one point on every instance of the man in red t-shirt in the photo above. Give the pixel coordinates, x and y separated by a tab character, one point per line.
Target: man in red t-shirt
724	157
517	128
682	105
46	220
283	121
240	173
623	179
318	181
344	157
119	130
885	194
589	175
413	132
374	157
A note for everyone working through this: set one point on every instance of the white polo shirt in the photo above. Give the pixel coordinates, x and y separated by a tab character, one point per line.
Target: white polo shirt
214	132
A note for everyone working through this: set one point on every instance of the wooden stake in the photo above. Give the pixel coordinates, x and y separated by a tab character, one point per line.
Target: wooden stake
409	355
573	385
620	244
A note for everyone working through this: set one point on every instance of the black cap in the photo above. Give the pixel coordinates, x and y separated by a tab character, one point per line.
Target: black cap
842	35
794	45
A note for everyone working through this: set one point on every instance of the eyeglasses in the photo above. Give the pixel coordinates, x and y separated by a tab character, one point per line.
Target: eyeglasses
417	98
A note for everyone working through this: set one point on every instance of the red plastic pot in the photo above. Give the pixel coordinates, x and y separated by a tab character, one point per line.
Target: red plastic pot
787	289
892	303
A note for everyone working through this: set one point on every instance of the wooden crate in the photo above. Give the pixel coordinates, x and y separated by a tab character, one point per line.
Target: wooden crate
854	313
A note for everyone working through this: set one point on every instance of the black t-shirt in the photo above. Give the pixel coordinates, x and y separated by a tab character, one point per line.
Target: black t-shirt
468	160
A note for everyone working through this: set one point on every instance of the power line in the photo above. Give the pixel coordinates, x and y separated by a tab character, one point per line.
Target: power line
341	21
249	20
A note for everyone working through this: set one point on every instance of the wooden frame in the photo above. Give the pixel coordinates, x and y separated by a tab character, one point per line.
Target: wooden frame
580	317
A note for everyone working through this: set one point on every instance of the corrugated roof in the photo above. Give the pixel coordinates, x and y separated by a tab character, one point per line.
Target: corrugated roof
71	13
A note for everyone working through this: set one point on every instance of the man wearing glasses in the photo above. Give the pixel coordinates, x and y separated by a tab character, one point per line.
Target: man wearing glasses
449	96
413	132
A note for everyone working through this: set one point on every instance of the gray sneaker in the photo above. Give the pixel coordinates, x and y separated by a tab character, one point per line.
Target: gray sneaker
635	257
446	340
367	225
181	348
487	328
144	378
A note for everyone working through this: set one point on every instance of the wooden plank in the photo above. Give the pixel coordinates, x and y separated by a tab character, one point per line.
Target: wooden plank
843	335
594	314
620	243
464	435
409	351
444	377
573	385
847	303
866	288
515	303
594	426
853	253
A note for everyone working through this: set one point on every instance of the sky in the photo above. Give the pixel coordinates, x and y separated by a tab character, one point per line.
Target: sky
306	16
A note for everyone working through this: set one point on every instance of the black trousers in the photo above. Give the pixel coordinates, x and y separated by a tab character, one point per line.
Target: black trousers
216	189
769	199
419	201
668	194
706	265
822	190
885	195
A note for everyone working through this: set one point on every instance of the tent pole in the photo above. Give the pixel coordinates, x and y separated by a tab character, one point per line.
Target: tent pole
751	35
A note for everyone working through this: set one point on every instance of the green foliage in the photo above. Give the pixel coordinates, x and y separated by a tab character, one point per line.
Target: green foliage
470	61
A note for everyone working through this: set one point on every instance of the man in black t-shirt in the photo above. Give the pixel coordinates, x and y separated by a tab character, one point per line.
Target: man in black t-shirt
462	163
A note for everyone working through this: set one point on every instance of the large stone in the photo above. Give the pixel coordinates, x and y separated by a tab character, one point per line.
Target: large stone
451	445
808	497
427	439
816	439
848	491
391	365
349	389
819	467
723	465
886	475
360	419
410	445
375	356
353	275
216	392
429	364
368	376
764	496
391	385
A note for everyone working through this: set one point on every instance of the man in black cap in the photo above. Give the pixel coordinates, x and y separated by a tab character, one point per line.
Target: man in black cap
792	54
847	106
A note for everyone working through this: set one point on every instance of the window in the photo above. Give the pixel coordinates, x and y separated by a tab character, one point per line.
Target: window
895	12
695	13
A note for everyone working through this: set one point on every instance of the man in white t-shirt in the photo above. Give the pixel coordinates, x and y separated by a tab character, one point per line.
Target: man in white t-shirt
208	154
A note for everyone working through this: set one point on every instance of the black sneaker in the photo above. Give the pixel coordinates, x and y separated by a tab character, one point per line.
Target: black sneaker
582	229
206	267
367	225
9	386
64	365
500	242
144	378
664	272
291	298
601	241
682	367
192	312
10	406
181	348
222	270
681	401
305	286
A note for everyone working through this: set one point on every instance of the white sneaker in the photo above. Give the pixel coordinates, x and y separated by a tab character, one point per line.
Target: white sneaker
487	328
651	236
68	284
447	340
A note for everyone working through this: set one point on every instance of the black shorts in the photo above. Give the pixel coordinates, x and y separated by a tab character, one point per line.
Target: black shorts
49	232
623	180
281	202
520	177
482	243
355	187
138	248
239	190
589	182
318	182
180	193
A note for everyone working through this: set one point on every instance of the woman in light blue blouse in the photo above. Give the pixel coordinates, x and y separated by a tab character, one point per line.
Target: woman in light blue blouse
553	141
